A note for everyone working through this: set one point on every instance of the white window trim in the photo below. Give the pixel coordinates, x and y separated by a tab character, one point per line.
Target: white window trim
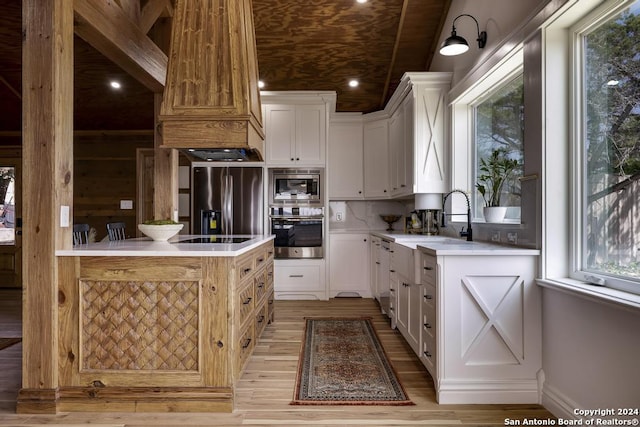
462	125
558	204
582	27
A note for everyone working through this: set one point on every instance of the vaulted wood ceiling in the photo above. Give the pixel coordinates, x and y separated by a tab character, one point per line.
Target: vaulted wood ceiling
302	45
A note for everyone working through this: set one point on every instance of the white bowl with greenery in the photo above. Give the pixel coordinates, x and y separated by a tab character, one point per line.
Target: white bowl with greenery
160	231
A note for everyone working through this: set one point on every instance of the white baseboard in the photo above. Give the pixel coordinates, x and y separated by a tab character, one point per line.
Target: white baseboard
557	403
488	392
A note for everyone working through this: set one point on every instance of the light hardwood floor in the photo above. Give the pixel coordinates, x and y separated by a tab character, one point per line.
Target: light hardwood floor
266	388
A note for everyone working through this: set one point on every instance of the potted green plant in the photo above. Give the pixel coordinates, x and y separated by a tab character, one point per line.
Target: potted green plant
495	171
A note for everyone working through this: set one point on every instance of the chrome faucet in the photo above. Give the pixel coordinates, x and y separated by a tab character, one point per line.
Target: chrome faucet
469	233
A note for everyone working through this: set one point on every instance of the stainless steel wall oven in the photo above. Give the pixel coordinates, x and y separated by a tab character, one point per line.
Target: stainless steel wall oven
296	212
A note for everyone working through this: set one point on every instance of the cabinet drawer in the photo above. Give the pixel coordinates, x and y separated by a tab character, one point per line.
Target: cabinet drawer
270	306
428	356
428	270
295	278
262	318
244	344
245	265
260	283
429	297
429	325
245	304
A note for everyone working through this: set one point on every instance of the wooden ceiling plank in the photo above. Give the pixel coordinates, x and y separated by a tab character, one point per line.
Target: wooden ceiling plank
107	28
387	81
151	12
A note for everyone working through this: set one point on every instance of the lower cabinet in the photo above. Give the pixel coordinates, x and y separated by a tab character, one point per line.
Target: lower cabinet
480	326
349	265
300	279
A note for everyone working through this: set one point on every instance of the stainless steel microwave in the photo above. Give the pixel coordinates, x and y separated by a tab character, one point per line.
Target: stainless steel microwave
296	186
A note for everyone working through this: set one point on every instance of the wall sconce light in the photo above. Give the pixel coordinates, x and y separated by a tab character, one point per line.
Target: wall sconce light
455	45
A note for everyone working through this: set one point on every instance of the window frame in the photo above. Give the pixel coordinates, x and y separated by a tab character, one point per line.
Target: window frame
463	152
590	22
507	79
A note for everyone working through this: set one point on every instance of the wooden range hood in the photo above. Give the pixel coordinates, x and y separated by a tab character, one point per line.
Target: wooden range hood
211	98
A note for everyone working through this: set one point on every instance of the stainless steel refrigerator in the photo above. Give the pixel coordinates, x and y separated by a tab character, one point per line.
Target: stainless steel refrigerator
227	200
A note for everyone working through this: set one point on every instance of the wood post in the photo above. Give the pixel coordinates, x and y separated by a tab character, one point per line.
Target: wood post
47	116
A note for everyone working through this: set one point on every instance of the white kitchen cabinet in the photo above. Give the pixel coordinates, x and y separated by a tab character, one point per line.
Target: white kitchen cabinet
380	275
418	111
346	157
295	134
481	314
409	294
300	279
349	265
397	152
376	158
296	126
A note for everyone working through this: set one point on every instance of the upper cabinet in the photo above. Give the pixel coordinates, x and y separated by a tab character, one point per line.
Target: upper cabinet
296	127
404	149
376	157
345	165
417	133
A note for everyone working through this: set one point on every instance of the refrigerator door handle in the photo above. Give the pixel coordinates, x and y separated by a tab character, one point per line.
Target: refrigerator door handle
227	204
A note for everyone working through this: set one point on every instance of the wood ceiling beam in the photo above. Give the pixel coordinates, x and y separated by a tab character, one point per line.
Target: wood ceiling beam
387	81
153	10
131	8
106	27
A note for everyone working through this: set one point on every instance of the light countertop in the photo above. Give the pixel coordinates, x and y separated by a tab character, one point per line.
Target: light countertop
175	247
443	245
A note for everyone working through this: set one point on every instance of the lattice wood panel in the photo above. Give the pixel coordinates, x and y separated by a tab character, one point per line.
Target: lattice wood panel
139	325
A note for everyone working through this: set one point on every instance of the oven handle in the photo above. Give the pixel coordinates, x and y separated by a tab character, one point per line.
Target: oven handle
297	218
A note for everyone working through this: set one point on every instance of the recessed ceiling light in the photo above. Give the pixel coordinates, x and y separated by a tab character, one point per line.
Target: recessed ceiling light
362	1
115	84
353	83
613	83
260	84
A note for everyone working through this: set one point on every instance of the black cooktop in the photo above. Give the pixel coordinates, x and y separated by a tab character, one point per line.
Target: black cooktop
216	239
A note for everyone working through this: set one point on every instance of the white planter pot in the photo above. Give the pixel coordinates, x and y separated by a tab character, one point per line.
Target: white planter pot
494	213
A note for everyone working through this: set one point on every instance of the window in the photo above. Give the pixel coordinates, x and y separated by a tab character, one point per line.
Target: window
499	134
7	207
608	148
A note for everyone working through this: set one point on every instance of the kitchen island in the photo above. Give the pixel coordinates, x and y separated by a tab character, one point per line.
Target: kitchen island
471	311
159	326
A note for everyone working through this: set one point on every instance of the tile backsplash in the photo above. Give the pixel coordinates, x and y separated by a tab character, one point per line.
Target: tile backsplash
365	215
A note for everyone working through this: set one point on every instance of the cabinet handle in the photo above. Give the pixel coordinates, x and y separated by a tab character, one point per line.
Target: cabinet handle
428	268
261	285
246	343
426	353
428	297
246	270
297	158
260	259
296	275
359	192
378	262
402	185
261	319
391	290
392	271
384	191
427	325
247	301
292	159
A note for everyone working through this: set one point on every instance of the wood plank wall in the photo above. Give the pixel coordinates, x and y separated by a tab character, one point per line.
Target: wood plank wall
105	174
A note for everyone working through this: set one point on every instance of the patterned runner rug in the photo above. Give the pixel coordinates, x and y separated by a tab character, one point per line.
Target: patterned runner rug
343	363
7	342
